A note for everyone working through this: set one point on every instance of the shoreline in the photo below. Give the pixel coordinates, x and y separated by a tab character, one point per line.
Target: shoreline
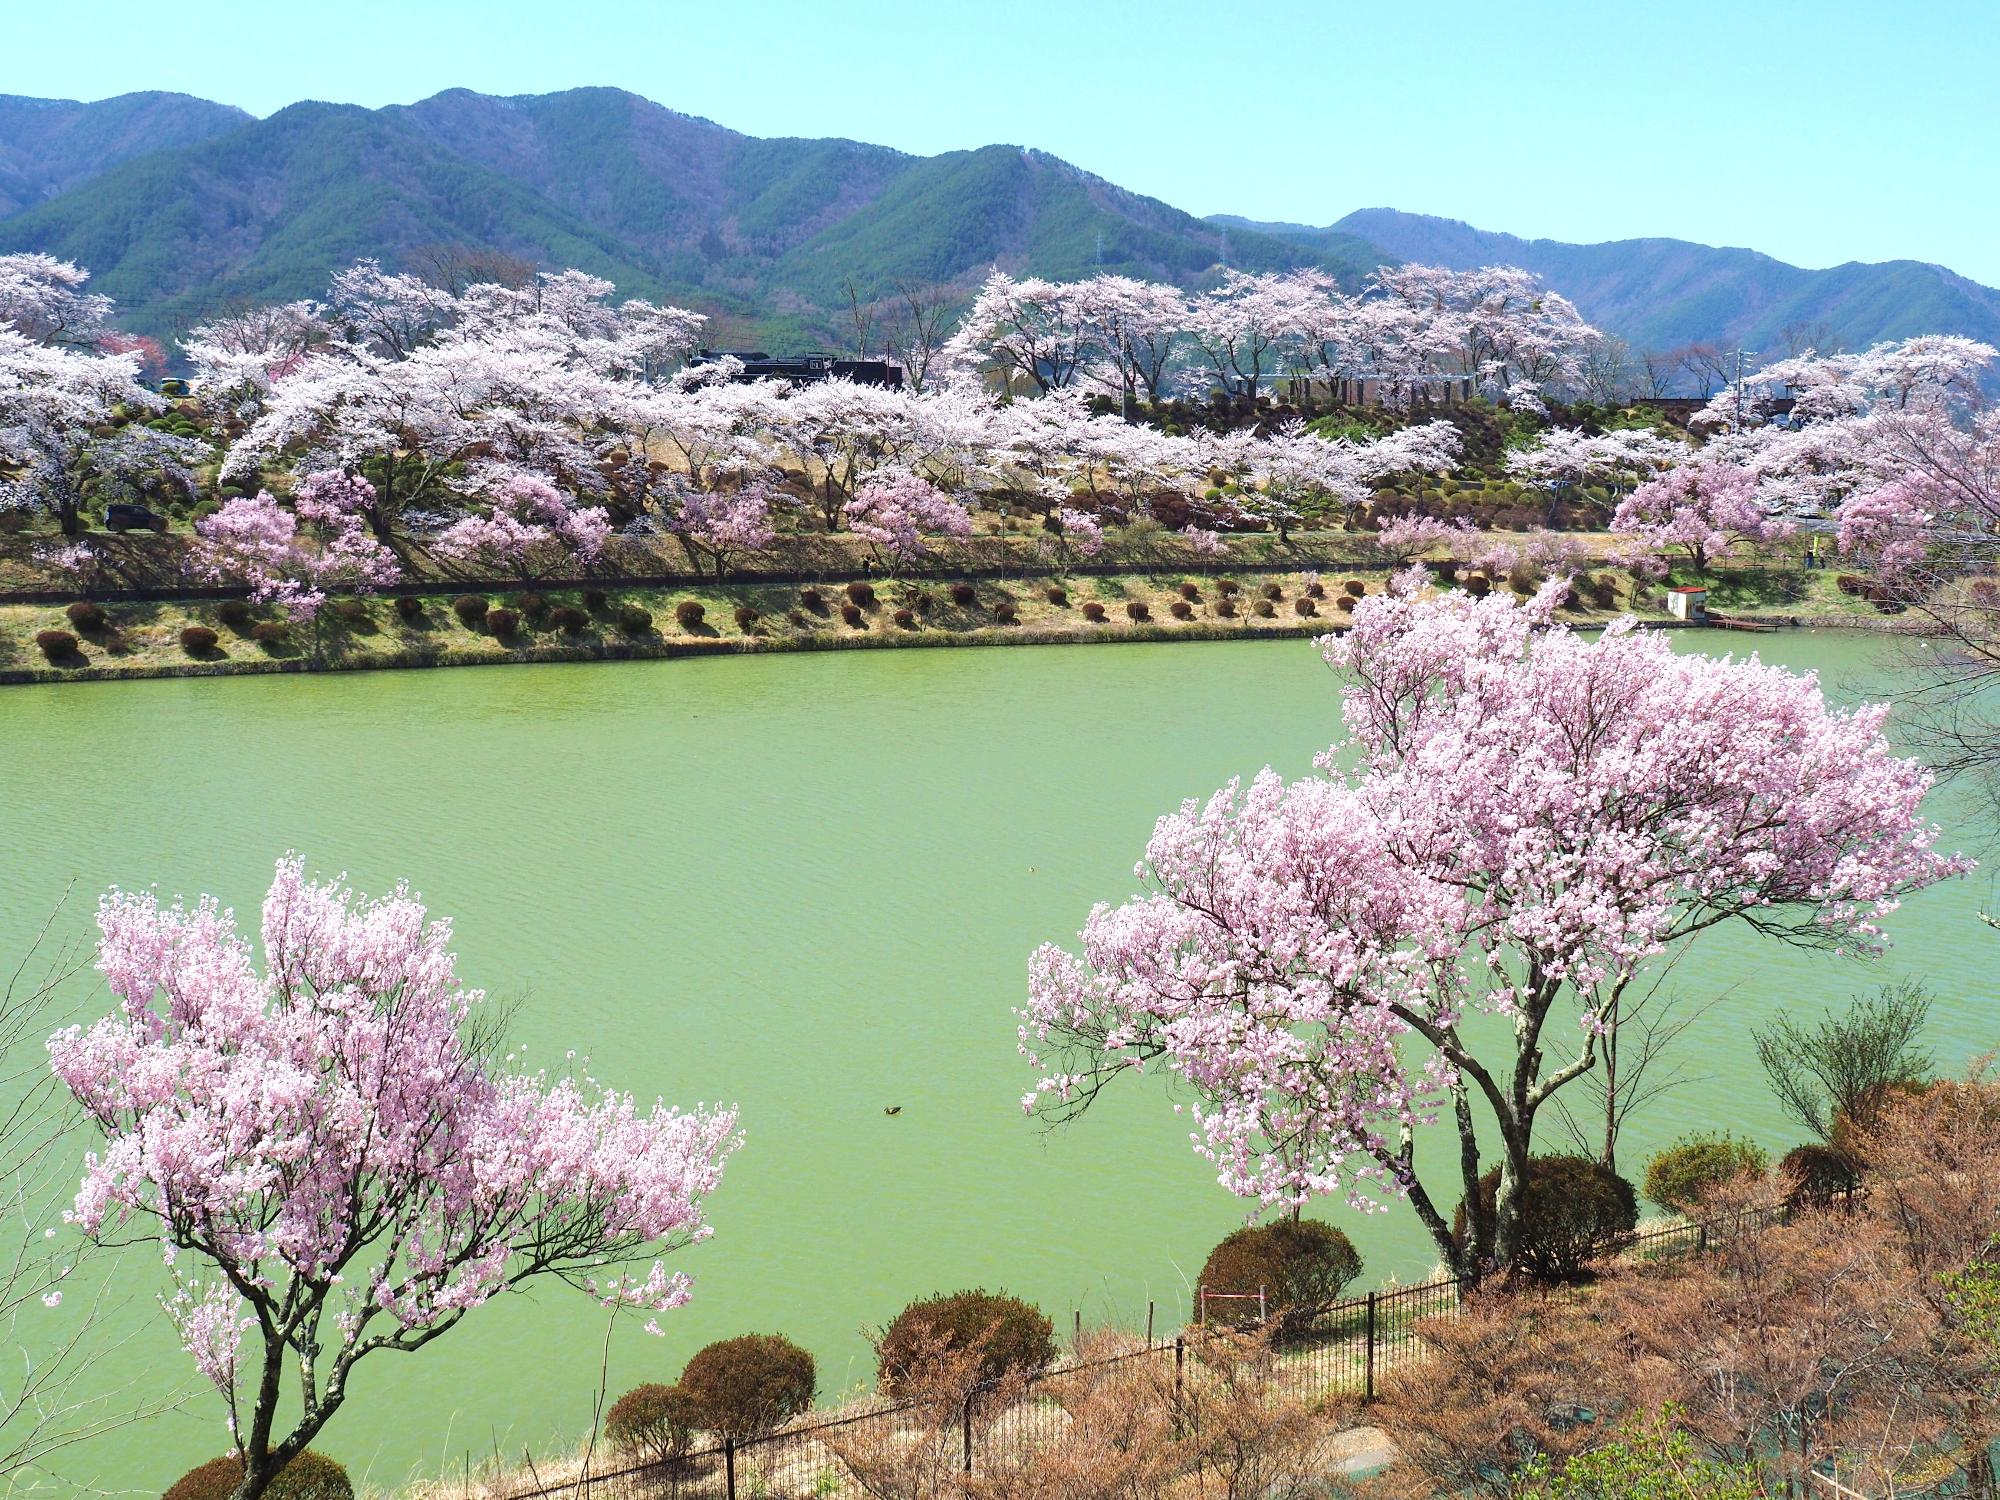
1110	633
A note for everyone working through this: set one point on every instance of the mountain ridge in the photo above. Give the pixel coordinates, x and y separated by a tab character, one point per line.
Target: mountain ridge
179	205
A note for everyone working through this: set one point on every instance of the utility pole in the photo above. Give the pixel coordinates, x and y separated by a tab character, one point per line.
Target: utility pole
1740	353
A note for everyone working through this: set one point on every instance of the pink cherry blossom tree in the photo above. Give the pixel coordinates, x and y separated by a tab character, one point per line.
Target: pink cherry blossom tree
898	512
1703	508
722	525
336	1160
1520	824
528	527
254	540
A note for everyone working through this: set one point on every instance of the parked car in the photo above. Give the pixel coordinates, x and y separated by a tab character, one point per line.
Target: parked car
128	517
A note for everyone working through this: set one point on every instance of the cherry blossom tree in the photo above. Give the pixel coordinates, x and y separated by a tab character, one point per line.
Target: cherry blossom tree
1242	324
1034	329
1080	529
334	1157
898	511
721	525
1520	824
66	433
527	519
1703	508
1137	328
43	299
1406	538
256	541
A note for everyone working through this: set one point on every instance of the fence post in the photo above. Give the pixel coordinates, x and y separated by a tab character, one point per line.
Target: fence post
965	1417
1701	1238
729	1465
1180	1362
1368	1388
1149	1325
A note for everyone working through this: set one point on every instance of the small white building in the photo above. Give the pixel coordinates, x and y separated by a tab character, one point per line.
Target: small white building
1689	603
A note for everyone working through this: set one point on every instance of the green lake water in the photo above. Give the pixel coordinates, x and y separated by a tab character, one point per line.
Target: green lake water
807	885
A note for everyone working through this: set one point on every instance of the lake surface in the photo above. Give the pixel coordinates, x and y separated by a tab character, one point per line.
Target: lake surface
807	885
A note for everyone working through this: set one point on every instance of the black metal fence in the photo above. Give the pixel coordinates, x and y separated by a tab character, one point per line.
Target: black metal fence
1346	1352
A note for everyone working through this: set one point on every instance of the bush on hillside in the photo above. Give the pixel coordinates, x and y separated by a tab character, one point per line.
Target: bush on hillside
1180	609
688	614
1005	1333
235	613
851	614
905	618
502	623
1305	607
1135	609
1055	595
271	632
633	620
86	616
964	593
742	1387
1816	1175
1300	1265
1682	1176
1093	612
197	639
652	1423
470	609
1573	1211
310	1476
568	619
56	644
861	593
410	607
813	600
745	617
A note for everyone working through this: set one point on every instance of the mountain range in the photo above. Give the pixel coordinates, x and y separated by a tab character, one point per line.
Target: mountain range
179	206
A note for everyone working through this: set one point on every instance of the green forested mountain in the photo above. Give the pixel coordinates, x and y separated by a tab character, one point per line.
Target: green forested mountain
1664	293
179	206
48	146
762	234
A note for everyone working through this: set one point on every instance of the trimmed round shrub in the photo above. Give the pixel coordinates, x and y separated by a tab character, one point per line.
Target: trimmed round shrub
470	609
1266	609
1189	592
55	643
1573	1211
351	610
1055	595
270	632
235	613
964	593
1226	607
861	593
796	618
196	639
1684	1174
1135	609
1005	613
1301	1265
1355	587
745	617
1305	606
1226	586
813	600
410	607
745	1386
1180	609
569	619
86	616
1005	1333
652	1423
594	599
1093	612
1478	586
1315	590
1344	603
689	613
906	618
310	1476
851	614
633	620
1815	1175
531	604
501	623
1273	592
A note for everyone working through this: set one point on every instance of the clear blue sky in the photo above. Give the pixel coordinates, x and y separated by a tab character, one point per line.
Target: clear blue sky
1816	132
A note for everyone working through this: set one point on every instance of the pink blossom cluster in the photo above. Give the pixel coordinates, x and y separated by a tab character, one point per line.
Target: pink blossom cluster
1081	530
1519	816
255	540
897	510
1704	507
330	1132
526	514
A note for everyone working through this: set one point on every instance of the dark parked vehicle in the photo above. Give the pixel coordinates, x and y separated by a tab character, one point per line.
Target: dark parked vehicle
806	369
125	517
